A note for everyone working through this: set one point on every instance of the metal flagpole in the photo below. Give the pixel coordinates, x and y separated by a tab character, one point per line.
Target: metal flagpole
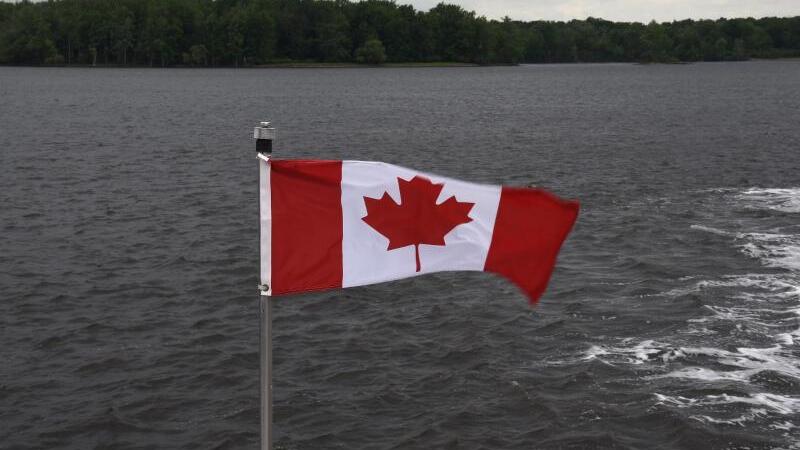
264	135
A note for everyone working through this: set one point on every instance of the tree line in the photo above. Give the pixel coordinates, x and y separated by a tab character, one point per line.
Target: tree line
255	32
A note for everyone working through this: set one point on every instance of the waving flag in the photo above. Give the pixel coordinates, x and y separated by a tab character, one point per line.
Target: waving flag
334	224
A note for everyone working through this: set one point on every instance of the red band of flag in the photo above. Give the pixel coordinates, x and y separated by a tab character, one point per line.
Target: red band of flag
306	225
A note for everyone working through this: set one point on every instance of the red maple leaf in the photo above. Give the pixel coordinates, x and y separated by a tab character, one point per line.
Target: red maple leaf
417	219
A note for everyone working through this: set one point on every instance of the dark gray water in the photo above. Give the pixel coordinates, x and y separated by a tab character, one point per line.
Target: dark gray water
129	261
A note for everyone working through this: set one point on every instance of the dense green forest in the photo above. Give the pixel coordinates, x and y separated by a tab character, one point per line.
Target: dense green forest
254	32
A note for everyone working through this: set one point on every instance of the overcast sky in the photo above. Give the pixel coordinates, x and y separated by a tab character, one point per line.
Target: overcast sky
617	10
621	10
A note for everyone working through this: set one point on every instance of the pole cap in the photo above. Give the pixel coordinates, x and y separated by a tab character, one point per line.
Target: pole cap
264	131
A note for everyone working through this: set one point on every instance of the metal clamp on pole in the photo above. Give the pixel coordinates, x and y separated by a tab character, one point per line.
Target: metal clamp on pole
264	135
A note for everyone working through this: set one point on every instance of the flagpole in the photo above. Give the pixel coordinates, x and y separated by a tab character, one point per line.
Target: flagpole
264	135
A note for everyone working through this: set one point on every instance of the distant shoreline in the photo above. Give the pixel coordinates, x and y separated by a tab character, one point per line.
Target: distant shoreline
323	65
788	58
301	33
314	65
287	65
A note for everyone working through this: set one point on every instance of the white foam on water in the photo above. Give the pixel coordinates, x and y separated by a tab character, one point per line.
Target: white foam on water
760	408
786	426
712	230
778	404
778	285
792	337
758	311
770	323
760	304
703	374
746	361
638	353
767	286
749	416
739	365
784	200
595	351
772	249
766	282
787	338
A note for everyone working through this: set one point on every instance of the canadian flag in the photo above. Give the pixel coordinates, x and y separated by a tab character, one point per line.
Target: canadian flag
334	224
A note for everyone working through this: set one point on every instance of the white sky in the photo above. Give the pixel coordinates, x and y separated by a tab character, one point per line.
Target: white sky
621	10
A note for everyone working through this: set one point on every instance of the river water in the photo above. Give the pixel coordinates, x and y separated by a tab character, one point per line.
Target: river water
129	261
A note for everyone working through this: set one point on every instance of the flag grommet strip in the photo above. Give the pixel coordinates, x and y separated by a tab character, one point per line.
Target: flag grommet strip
264	169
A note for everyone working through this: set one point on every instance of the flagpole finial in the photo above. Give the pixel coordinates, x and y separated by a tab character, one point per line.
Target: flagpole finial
264	134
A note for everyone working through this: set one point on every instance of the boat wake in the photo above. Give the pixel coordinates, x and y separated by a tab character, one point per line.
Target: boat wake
738	364
784	200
